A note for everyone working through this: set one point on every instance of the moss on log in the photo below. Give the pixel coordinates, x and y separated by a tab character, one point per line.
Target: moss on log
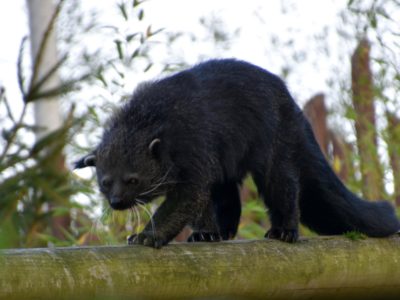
315	268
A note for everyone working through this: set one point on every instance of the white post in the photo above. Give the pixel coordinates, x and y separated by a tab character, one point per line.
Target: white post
46	111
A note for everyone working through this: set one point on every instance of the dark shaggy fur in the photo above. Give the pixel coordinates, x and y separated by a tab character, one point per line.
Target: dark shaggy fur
193	136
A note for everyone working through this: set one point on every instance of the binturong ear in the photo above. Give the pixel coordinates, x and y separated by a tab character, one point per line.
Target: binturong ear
86	161
155	148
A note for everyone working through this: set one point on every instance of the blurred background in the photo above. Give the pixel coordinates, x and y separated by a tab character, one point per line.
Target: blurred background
65	65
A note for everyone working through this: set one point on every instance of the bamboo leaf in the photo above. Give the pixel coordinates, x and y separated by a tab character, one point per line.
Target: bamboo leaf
135	54
141	15
148	31
158	31
122	8
119	49
129	37
148	67
99	76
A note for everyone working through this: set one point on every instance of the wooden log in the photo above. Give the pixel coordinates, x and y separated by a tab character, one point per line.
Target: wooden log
314	268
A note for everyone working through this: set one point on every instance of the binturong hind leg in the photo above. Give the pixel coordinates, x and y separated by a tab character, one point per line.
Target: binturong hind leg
281	197
221	219
228	208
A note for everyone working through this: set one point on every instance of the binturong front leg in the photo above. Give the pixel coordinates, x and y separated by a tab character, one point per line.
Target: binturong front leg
205	228
180	208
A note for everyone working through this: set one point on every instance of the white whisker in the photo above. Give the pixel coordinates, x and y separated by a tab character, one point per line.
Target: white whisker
139	219
113	217
141	204
132	218
157	185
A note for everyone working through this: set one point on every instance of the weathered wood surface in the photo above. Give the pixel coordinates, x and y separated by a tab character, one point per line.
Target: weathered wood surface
315	268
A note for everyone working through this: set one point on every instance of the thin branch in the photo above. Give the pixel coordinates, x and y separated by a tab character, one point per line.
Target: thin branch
8	108
13	134
3	98
34	89
20	73
63	88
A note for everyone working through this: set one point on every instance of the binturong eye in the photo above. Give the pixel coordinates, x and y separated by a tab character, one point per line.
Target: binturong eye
106	183
132	179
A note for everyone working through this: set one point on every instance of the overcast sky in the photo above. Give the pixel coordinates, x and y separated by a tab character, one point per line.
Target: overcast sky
258	21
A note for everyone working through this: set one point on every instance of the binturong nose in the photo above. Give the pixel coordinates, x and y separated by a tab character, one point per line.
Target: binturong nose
115	200
117	203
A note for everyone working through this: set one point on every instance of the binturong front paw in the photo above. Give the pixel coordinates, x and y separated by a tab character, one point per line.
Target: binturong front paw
200	236
285	235
147	238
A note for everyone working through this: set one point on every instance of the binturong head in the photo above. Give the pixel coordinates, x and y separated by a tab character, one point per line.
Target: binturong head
128	173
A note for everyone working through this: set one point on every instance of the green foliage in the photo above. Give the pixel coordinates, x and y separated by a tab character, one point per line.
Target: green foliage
33	184
253	220
35	187
39	196
375	22
131	50
355	235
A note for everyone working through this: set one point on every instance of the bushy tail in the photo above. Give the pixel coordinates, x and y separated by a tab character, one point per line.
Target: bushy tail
328	207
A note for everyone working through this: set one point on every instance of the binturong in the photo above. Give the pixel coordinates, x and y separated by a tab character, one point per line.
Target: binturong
195	135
